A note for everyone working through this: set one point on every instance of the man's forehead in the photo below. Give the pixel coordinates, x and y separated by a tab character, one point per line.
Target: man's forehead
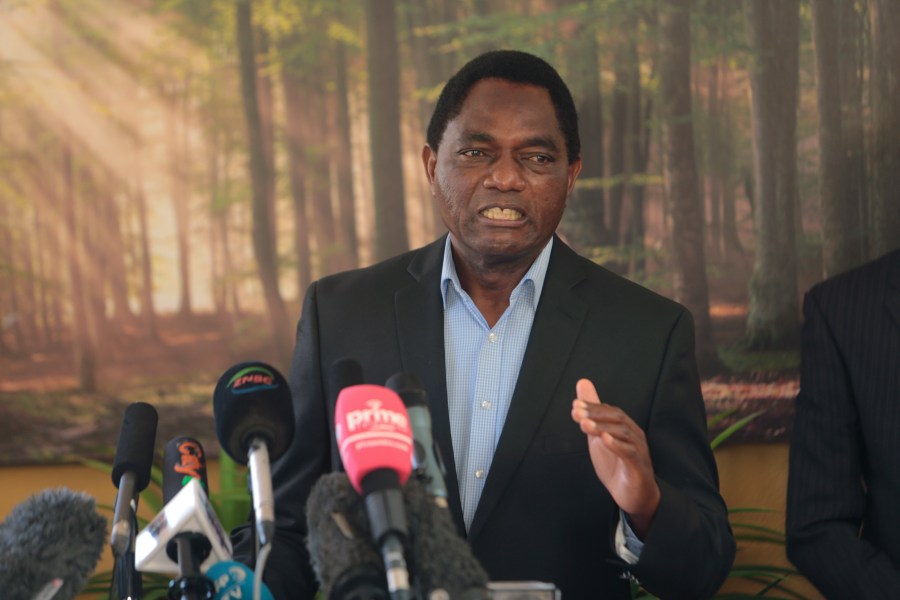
497	103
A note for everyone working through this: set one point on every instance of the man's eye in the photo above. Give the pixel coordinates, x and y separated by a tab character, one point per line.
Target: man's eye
541	159
473	153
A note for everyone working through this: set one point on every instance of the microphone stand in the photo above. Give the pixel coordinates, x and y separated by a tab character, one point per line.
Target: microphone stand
126	580
191	584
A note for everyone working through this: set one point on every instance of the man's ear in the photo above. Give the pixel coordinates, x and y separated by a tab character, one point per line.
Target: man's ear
574	169
429	160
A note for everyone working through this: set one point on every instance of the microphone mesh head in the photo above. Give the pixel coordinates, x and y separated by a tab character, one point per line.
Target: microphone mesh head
409	388
183	460
137	438
444	559
55	533
340	544
252	399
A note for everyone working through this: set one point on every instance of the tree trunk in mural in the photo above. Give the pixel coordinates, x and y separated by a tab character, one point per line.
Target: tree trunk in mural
85	355
773	34
638	142
680	175
618	130
731	240
323	226
585	218
175	95
884	19
343	160
11	309
851	68
297	169
840	215
714	143
263	244
384	129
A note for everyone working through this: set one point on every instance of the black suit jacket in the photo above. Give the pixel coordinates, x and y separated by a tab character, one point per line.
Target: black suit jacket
543	514
843	512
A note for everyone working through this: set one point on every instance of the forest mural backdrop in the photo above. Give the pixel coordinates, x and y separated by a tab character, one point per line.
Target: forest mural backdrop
174	173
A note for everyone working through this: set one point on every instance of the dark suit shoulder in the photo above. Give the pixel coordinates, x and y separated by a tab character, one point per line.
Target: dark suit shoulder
388	274
863	282
599	284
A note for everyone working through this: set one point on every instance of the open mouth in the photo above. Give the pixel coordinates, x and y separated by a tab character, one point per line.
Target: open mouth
496	213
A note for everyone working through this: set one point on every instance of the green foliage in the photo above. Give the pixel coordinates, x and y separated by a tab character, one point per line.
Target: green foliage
739	359
771	578
731	429
231	504
617	257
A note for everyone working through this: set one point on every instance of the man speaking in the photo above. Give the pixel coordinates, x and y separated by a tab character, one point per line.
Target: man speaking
565	399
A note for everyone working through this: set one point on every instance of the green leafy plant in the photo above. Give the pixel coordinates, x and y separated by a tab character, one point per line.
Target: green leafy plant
771	579
231	503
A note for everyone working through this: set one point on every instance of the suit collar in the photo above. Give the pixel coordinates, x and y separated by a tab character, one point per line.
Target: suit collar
892	297
555	329
420	330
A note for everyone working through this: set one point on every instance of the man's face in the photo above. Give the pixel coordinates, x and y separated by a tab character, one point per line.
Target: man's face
501	175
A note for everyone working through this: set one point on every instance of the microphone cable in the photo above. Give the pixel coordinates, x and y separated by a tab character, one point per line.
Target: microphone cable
262	555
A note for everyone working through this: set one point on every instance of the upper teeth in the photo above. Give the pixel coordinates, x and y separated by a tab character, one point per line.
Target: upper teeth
502	214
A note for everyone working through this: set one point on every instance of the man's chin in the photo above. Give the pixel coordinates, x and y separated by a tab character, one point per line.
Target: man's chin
502	254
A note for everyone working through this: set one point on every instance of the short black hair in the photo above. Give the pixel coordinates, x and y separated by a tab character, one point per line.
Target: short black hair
515	66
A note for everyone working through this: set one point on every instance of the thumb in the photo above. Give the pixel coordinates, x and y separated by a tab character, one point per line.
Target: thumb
585	390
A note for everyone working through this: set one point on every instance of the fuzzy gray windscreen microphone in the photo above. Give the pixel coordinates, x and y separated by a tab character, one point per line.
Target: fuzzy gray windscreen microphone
56	533
347	563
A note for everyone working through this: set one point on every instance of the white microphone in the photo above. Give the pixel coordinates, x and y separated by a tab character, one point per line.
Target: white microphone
190	511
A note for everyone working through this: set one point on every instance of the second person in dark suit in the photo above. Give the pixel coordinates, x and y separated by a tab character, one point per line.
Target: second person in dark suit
843	509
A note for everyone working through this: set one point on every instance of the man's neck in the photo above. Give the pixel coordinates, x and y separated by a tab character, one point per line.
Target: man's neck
490	285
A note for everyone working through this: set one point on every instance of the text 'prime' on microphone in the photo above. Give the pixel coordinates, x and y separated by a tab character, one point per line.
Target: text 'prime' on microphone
375	442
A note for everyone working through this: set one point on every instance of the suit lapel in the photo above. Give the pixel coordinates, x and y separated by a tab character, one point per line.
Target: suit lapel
556	325
892	297
420	330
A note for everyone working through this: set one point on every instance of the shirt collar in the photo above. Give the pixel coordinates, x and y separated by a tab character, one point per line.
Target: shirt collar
536	273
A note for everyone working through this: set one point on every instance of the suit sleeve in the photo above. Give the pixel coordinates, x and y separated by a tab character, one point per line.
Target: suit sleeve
689	548
288	572
826	496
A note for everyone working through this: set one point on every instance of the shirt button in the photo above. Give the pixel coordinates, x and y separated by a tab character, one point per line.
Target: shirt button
479	474
492	337
486	404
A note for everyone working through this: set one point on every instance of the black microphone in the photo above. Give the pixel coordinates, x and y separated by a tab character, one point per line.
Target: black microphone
184	461
427	464
131	470
344	372
342	552
51	540
255	423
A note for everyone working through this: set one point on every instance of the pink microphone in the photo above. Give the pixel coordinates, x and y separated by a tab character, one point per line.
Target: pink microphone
376	445
373	432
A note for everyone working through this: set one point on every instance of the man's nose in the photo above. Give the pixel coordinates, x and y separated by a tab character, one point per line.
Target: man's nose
505	175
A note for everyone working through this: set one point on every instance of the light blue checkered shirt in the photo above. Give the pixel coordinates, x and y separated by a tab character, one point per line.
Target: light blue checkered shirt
482	369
